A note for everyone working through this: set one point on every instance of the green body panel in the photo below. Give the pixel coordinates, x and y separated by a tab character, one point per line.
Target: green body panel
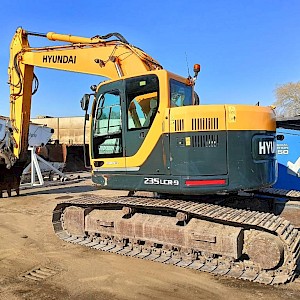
245	160
199	153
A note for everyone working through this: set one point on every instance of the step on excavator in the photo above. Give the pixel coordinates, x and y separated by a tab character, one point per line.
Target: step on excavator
198	176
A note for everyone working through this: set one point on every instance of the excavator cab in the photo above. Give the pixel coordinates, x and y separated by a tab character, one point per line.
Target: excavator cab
122	115
147	134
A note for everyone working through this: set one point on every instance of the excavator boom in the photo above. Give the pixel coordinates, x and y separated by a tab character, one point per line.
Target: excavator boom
103	56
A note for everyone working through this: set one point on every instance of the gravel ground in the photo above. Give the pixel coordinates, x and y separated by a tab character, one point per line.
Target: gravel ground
70	271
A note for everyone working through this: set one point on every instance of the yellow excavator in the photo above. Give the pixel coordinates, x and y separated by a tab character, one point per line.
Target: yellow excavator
203	165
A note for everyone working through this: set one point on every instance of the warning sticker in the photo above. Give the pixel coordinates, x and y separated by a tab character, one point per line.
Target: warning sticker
231	114
187	141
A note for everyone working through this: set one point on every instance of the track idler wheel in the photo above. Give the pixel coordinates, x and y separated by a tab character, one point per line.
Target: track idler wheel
265	250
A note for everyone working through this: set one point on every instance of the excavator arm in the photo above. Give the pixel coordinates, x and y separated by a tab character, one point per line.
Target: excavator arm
109	56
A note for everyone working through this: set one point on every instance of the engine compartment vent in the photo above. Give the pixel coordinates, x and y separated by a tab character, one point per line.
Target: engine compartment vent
205	123
179	125
205	141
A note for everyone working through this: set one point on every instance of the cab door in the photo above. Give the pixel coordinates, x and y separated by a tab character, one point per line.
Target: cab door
142	96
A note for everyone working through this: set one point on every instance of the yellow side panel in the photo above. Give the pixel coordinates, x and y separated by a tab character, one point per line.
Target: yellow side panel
197	118
221	117
246	117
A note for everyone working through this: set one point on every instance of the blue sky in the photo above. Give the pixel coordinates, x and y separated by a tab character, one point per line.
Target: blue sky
245	48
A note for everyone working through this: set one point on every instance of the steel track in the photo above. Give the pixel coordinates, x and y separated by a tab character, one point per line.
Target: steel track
289	236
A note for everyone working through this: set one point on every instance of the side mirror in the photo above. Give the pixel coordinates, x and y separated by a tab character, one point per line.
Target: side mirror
84	102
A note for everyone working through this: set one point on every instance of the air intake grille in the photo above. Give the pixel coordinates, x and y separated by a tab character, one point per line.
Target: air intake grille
179	125
205	141
205	123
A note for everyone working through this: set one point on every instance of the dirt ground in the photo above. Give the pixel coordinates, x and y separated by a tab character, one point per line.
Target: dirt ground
27	242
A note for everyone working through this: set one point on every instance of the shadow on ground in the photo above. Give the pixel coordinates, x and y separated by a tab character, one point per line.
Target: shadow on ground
62	190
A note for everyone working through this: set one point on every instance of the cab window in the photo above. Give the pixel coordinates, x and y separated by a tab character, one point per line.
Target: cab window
107	125
180	94
142	95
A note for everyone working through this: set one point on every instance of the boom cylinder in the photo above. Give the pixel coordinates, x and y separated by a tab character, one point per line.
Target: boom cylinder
52	36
